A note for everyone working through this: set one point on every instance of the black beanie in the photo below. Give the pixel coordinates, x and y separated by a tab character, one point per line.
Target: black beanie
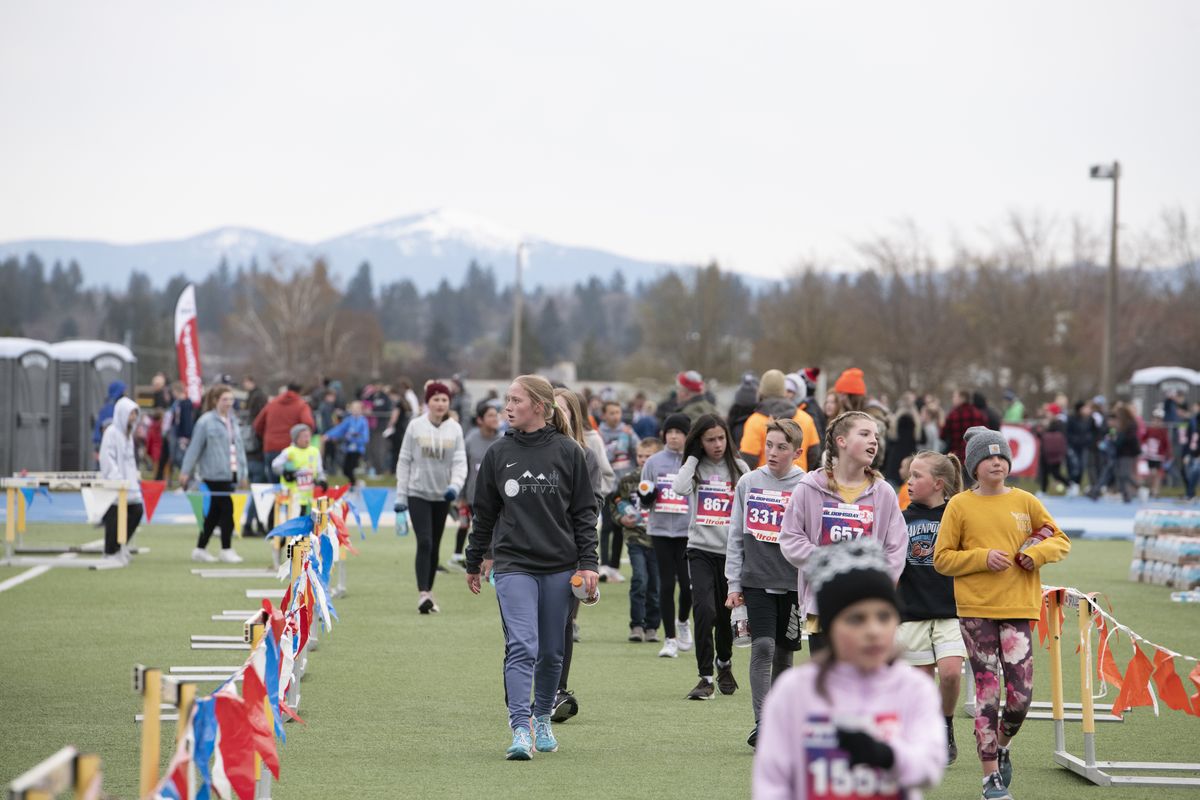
842	574
677	422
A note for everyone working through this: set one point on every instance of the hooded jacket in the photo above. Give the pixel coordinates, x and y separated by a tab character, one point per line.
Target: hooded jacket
896	704
104	416
534	508
433	458
118	455
752	557
711	503
669	512
754	435
274	423
817	516
207	456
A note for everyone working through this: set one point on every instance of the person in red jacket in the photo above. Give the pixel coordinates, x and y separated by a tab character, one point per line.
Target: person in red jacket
964	415
274	423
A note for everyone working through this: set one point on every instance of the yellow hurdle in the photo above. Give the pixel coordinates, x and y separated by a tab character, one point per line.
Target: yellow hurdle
150	681
68	770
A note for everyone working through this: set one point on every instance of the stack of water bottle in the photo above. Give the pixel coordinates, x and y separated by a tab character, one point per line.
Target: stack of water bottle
1166	551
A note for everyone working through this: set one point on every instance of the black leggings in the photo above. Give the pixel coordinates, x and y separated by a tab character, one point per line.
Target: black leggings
671	554
220	513
428	521
350	466
110	527
711	590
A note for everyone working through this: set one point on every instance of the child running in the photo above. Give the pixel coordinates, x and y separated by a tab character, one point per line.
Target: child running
354	433
668	529
627	513
759	576
988	545
845	501
707	478
854	721
929	630
300	467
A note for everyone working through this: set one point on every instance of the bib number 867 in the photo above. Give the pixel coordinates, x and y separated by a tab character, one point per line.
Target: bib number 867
834	777
715	504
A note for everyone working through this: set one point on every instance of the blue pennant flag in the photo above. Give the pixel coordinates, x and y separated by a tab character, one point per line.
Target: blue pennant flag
374	499
274	656
326	559
29	494
204	731
300	526
357	519
206	494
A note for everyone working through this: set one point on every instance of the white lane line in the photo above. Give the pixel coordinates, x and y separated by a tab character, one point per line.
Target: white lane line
30	574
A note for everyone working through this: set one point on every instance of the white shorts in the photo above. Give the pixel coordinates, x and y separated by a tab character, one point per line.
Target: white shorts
927	641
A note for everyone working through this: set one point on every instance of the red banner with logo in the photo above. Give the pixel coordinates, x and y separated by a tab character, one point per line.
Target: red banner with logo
187	344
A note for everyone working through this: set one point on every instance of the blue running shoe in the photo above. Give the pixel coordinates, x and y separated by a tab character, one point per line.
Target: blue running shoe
543	737
522	746
1004	765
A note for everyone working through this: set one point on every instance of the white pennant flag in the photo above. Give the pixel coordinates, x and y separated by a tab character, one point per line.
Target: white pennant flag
96	502
263	500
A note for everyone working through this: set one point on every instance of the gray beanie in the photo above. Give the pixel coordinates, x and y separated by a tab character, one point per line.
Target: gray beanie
298	429
983	443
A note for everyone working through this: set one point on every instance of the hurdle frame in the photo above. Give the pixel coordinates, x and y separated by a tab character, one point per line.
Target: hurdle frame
1098	772
66	770
15	522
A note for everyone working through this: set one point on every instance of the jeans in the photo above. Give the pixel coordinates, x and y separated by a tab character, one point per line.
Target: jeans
1191	477
709	590
643	588
533	611
268	457
428	521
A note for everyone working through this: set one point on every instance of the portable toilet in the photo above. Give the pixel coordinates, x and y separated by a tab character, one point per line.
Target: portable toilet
28	411
1150	386
85	369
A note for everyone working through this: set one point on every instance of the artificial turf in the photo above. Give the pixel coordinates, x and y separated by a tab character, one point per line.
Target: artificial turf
404	705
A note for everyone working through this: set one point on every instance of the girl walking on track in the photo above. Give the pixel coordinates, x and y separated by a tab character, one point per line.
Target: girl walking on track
218	457
534	530
993	541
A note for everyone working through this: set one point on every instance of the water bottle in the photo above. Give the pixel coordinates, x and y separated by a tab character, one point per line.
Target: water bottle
1192	596
739	620
402	523
580	591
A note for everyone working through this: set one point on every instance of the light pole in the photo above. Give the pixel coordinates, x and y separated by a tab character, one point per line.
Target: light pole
1108	380
518	300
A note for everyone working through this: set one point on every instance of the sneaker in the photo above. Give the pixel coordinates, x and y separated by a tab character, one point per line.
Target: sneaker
615	576
703	690
1004	765
575	632
637	634
951	746
670	649
543	737
230	557
651	634
994	788
200	554
441	568
685	636
752	739
457	562
426	604
725	680
565	706
521	748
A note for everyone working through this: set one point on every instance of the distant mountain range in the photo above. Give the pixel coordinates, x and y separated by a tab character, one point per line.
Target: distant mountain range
423	248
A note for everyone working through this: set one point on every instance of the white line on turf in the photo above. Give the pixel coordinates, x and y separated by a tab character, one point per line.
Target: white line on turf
30	574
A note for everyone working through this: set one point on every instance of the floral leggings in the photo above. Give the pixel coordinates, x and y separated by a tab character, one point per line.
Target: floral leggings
995	645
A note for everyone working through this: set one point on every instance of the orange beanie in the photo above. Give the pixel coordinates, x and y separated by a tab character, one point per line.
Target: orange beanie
851	382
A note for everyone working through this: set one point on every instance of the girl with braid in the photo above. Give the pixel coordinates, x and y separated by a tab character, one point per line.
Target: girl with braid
845	500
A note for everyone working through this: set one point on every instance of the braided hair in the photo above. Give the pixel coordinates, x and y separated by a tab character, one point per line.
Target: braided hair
839	426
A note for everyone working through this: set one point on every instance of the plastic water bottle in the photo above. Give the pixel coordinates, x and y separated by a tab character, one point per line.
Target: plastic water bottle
402	523
739	620
580	591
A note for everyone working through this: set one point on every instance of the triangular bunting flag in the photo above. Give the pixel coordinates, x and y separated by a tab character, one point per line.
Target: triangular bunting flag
204	733
263	502
1194	677
206	495
197	503
96	502
300	526
239	510
28	494
255	693
237	744
1107	665
151	492
1166	680
374	499
1136	689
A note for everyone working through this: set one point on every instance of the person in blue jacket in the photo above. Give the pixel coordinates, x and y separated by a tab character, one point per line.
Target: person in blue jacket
354	434
116	390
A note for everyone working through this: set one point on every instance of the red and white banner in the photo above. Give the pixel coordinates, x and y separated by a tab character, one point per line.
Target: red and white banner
1025	447
187	344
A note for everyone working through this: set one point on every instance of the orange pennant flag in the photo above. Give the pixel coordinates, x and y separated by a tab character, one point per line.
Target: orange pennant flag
1166	680
1194	677
1107	664
1136	689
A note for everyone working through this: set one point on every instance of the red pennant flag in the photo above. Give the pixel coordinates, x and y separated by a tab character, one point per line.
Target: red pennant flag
151	491
254	693
1166	680
286	710
236	743
286	603
179	779
275	618
1136	689
305	623
1108	666
337	492
1194	677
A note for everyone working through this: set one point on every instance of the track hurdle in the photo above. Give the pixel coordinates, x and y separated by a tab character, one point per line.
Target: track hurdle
1098	772
68	770
16	554
154	687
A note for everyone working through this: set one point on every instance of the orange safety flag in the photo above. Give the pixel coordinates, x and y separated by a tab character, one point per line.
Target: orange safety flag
1194	677
1107	665
1166	680
1136	689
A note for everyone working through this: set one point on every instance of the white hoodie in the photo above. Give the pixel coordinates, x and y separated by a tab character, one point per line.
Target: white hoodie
432	459
118	455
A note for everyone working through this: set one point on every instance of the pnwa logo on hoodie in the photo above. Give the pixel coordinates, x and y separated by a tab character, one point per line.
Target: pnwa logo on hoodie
541	483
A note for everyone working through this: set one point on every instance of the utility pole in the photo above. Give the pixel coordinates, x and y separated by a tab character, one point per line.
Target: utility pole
1108	377
518	301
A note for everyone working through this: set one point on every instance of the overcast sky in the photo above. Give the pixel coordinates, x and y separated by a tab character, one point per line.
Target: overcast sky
758	133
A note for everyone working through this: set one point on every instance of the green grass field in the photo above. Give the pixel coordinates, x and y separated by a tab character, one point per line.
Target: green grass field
403	705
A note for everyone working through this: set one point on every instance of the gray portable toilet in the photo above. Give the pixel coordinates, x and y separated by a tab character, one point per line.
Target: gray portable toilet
1149	387
28	407
85	369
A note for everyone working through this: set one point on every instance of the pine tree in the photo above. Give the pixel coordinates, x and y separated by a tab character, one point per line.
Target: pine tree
360	292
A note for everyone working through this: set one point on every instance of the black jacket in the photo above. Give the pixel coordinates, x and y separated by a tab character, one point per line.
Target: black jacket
534	510
924	592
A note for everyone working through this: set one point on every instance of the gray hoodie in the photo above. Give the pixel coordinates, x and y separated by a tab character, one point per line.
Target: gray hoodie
433	458
710	503
118	456
753	558
660	471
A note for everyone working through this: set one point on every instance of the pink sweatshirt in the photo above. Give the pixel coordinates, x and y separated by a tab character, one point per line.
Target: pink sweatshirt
817	516
797	755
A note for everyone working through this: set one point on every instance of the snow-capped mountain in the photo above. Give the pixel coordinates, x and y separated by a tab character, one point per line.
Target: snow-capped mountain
422	247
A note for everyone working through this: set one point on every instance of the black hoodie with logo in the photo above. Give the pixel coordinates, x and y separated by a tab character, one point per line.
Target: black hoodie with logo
534	509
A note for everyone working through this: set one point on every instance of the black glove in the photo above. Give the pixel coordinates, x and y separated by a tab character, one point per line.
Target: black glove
323	485
863	748
289	475
646	499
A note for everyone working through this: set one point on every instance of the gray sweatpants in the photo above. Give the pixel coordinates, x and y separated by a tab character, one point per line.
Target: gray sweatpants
533	611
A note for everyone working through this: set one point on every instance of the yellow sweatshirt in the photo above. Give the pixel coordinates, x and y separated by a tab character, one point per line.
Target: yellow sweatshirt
972	525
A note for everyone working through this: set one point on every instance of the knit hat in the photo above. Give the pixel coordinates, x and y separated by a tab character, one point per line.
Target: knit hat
810	376
851	382
841	574
773	384
436	387
794	384
299	429
691	380
983	443
677	422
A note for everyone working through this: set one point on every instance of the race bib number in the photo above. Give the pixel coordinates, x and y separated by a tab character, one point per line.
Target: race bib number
844	522
667	501
830	776
304	480
764	513
619	460
714	502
